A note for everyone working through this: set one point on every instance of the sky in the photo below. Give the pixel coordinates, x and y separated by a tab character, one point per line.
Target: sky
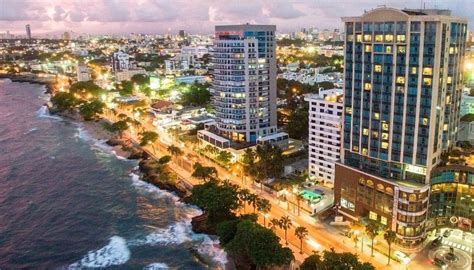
193	16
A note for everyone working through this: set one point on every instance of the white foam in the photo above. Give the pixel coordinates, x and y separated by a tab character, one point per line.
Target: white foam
96	144
210	248
43	112
145	186
156	266
174	234
115	252
30	130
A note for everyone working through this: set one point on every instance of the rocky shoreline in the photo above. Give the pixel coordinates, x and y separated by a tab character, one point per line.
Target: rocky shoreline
48	82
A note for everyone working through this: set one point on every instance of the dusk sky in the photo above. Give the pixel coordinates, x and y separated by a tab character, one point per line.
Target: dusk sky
194	16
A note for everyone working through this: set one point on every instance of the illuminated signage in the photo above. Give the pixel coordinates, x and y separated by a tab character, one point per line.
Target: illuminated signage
415	169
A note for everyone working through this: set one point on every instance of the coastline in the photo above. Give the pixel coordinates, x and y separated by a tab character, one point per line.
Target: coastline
48	82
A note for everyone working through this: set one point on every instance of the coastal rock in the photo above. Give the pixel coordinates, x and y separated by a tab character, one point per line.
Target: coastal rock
135	154
114	142
199	224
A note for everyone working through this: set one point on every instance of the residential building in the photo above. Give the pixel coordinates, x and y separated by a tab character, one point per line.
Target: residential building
196	51
83	73
120	61
402	91
28	31
324	140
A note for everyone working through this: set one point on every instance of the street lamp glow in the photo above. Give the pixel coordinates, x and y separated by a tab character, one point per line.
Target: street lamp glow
313	243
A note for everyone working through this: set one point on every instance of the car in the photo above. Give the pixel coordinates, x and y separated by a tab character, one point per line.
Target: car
437	242
402	257
447	233
439	262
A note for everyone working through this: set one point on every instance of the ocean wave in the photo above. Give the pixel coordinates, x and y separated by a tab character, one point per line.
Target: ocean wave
174	234
30	130
43	112
156	266
96	144
211	248
115	252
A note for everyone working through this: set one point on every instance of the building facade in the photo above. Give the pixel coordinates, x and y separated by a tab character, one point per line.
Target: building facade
120	61
325	125
28	31
244	85
402	91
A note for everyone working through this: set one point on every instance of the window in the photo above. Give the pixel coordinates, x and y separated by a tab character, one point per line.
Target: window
368	48
427	71
401	38
384	145
445	127
378	38
359	38
400	79
367	38
375	134
389	38
355	148
388	49
365	151
402	49
367	86
348	110
365	132
372	215
451	50
425	121
377	116
413	70
383	220
384	136
449	79
378	68
427	81
350	38
384	126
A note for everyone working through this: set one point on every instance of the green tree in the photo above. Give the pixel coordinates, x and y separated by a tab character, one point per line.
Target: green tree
204	172
297	127
244	194
174	151
274	223
125	88
270	161
86	89
64	101
299	198
389	236
285	224
264	206
148	137
253	200
164	160
117	127
218	200
91	110
226	230
224	157
301	233
197	95
331	260
140	79
260	245
372	229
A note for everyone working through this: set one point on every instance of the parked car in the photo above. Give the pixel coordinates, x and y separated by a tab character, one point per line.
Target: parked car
402	257
439	262
447	233
437	242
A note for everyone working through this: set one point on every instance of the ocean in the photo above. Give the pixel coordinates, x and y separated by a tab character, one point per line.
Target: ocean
67	201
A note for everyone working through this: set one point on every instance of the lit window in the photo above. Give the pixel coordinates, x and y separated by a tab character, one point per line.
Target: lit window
445	127
372	215
384	136
365	132
367	38
368	48
377	116
414	70
425	121
348	110
388	49
402	49
400	79
375	134
449	79
448	99
350	38
384	126
359	38
378	68
365	151
384	145
451	50
389	38
400	89
427	71
379	38
400	38
427	81
383	220
367	86
355	148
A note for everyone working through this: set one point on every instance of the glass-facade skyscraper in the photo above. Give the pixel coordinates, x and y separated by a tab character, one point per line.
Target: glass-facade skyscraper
403	85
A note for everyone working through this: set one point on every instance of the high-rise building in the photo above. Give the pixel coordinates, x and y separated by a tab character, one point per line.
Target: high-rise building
244	85
182	34
325	124
120	61
403	83
28	31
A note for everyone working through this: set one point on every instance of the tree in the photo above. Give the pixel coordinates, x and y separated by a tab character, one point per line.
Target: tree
218	200
260	245
372	230
390	237
270	162
174	150
140	79
164	160
148	137
252	200
86	89
274	223
64	101
297	127
125	88
301	233
243	196
299	198
264	206
224	157
203	172
117	127
331	260
285	224
197	95
90	110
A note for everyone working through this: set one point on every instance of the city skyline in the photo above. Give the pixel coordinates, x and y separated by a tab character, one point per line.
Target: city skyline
162	17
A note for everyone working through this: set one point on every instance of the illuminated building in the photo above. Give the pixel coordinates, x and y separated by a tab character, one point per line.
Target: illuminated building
28	31
403	84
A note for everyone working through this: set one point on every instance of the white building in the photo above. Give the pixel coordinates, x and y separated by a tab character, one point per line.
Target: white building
82	73
120	61
325	118
197	51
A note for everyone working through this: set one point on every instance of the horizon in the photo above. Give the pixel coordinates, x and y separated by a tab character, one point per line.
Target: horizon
159	17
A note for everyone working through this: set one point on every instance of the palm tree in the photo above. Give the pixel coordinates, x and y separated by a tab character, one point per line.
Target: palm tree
372	230
301	232
252	200
149	137
285	224
244	196
264	206
390	237
299	198
274	223
203	172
